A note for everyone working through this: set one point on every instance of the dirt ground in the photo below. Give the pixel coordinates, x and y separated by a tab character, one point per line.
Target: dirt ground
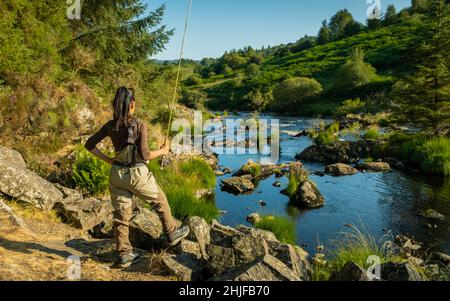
43	252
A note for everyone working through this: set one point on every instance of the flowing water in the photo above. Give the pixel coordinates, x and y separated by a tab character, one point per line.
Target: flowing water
378	203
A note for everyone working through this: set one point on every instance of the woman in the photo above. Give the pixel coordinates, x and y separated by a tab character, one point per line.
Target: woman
130	175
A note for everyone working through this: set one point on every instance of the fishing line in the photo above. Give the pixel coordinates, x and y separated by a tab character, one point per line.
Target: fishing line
174	98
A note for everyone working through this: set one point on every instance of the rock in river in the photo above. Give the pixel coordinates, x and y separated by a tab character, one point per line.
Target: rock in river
342	151
308	196
340	169
374	166
239	184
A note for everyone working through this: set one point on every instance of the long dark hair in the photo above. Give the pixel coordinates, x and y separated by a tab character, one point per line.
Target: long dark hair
121	104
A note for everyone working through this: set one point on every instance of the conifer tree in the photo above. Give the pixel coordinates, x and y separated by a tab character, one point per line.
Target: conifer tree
424	97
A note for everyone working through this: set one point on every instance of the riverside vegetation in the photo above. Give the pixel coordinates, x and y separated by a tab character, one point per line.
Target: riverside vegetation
56	78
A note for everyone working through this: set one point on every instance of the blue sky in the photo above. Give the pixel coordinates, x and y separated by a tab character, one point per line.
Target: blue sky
220	25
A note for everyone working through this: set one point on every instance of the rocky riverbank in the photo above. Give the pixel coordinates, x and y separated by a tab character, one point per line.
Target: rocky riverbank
83	227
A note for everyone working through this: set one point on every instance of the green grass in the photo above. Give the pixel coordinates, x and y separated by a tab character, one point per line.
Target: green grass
372	134
431	155
329	135
357	246
295	179
282	227
252	168
180	182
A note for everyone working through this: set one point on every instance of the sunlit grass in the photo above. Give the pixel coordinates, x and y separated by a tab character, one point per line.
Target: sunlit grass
355	245
180	181
282	227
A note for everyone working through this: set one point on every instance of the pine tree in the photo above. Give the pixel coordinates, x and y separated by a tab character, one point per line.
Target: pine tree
424	97
391	15
338	23
324	35
120	31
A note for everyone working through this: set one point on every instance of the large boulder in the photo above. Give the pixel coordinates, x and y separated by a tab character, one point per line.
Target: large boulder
12	157
340	169
374	166
20	183
293	257
239	184
232	248
84	214
399	272
343	151
146	230
308	196
266	268
350	272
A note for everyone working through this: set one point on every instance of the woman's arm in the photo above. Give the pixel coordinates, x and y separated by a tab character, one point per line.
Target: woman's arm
91	144
96	152
145	153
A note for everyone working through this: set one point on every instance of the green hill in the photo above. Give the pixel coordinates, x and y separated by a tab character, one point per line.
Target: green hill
387	49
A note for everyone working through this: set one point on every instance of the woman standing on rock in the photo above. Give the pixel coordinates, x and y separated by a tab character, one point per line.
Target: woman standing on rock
130	175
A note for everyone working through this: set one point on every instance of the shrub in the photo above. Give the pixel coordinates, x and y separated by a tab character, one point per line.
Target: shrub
372	133
89	173
180	182
193	80
282	227
351	106
355	72
193	99
296	91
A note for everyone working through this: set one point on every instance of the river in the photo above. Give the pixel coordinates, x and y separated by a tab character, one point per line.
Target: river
377	203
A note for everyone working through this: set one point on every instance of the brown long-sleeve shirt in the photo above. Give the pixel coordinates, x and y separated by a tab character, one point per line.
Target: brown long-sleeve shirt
120	137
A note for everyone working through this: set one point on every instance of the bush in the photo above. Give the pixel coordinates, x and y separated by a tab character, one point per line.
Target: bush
351	106
193	99
355	72
180	182
193	80
89	173
296	91
283	228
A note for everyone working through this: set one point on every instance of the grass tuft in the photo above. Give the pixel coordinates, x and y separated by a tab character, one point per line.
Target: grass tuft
180	181
282	227
357	246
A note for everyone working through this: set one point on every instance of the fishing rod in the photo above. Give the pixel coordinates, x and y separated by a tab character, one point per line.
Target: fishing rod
175	91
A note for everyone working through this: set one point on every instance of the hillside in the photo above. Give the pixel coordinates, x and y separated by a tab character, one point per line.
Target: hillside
386	48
